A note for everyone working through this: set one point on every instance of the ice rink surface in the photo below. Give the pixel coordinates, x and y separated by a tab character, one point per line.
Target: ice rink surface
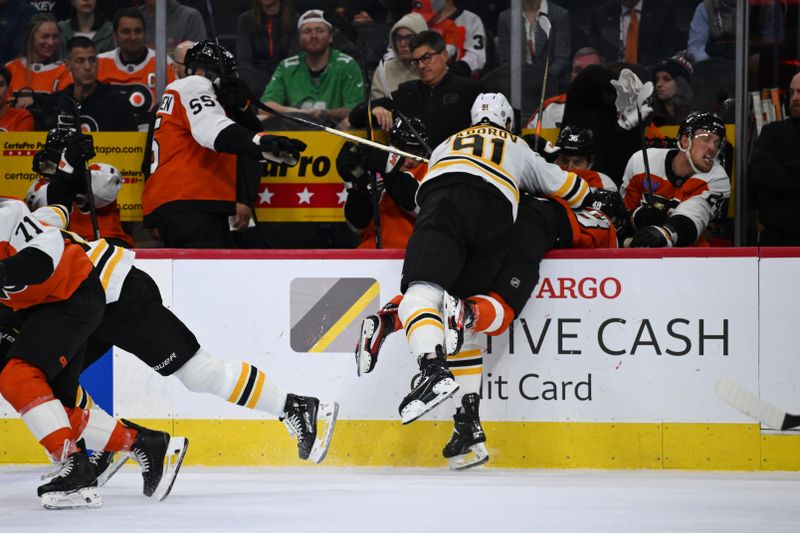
420	500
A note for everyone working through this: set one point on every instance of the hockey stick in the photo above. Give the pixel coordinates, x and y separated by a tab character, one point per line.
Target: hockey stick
645	159
741	399
544	23
414	131
87	174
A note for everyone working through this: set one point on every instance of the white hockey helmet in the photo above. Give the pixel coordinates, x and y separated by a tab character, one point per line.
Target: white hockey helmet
493	108
106	183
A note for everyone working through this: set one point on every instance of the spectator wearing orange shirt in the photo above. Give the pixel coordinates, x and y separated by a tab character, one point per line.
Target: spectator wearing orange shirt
38	70
11	119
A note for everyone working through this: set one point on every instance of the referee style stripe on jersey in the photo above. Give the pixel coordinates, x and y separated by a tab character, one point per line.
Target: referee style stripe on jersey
330	323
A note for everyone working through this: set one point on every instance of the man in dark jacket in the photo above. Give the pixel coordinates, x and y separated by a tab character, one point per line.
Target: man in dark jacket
776	174
439	98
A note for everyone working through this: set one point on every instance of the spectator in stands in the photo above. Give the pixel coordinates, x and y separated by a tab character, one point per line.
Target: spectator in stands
360	11
463	33
396	67
131	65
11	119
37	71
102	106
439	98
180	53
640	32
264	34
712	32
320	81
184	23
398	178
554	106
535	46
672	91
86	20
14	17
776	173
684	189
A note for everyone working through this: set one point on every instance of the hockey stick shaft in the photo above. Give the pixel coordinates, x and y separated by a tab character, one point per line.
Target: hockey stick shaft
741	399
87	174
646	159
544	23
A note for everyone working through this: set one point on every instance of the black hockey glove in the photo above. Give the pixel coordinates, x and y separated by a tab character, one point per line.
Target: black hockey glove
279	148
654	237
230	94
652	212
380	161
350	165
79	150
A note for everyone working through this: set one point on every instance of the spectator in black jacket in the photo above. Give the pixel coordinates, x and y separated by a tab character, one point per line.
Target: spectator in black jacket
776	174
102	106
439	98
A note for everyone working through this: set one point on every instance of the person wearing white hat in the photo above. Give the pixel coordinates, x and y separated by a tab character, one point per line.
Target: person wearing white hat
320	81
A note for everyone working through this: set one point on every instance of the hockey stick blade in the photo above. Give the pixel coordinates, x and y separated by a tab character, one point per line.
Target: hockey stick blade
327	414
113	468
176	450
741	399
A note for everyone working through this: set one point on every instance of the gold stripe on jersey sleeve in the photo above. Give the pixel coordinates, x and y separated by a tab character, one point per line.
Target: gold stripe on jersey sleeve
568	185
98	252
110	266
511	188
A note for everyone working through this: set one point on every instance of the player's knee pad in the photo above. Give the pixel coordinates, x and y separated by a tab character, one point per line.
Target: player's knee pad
205	373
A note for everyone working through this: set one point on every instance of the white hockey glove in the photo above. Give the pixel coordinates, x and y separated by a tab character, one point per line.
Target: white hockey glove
632	97
278	148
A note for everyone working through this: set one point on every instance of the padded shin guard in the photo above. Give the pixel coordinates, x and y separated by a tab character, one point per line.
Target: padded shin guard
234	381
421	315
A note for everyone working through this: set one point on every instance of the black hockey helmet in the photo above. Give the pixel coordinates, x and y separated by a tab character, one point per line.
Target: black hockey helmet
574	140
206	55
701	120
611	204
45	161
401	136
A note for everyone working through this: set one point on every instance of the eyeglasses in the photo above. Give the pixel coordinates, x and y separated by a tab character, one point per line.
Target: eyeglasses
423	60
403	38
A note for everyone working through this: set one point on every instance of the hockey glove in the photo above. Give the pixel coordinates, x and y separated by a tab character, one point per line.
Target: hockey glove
654	237
631	100
79	150
350	165
230	93
279	149
380	161
654	212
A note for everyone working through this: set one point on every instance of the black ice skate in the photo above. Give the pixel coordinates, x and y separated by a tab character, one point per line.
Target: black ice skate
433	385
374	330
457	316
106	464
160	458
467	447
73	485
302	413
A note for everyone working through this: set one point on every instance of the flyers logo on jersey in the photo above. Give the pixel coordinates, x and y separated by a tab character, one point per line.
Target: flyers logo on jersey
5	290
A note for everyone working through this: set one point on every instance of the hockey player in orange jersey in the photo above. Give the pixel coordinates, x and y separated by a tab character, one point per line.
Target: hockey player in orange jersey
191	190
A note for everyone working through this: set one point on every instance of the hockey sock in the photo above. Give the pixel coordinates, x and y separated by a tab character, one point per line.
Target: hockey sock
467	367
421	315
492	314
234	381
25	387
101	431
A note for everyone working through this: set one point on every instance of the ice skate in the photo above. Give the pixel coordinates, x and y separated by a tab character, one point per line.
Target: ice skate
374	330
302	414
73	485
160	458
433	385
106	464
467	447
457	316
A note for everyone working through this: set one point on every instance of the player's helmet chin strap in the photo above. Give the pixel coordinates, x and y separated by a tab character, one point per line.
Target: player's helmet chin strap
688	152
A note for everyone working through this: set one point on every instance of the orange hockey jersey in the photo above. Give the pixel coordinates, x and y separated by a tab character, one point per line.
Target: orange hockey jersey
139	80
184	167
16	120
38	77
19	229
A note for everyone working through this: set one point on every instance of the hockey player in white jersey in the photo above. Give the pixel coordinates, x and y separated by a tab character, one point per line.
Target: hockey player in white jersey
468	202
686	188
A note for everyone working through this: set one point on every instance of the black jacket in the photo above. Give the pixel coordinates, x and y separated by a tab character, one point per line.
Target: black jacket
444	109
106	109
775	168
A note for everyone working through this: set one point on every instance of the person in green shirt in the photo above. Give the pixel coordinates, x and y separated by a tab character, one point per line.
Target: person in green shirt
320	81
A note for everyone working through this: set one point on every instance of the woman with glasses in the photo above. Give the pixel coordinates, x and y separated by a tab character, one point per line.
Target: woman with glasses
395	68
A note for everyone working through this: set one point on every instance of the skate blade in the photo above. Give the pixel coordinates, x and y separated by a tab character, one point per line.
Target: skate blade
476	456
416	409
327	414
85	498
363	357
176	450
113	468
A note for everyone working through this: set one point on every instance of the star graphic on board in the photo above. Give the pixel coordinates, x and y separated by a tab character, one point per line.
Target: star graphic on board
305	196
342	196
266	196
